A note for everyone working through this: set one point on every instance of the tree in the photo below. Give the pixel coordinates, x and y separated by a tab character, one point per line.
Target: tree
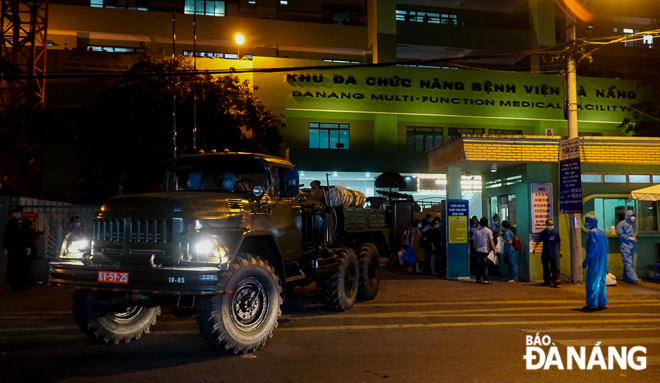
644	118
390	180
137	125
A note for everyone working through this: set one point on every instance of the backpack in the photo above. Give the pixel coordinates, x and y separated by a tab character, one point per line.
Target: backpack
517	245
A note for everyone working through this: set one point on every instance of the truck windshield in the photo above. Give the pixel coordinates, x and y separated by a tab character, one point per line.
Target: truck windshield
226	174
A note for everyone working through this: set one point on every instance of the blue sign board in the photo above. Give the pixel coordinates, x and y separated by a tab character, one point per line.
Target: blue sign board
457	246
570	177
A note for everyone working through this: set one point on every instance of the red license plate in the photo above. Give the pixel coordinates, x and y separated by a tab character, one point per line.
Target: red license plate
113	277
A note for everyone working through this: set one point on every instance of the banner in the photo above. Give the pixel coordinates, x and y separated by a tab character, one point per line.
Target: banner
540	205
570	176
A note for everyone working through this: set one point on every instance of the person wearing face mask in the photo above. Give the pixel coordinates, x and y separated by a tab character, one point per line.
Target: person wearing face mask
17	246
427	223
596	259
495	226
415	239
551	241
625	230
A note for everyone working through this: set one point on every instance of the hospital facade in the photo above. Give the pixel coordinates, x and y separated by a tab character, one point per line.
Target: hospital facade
486	131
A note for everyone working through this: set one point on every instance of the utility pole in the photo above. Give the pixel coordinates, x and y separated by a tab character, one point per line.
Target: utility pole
174	88
575	219
195	77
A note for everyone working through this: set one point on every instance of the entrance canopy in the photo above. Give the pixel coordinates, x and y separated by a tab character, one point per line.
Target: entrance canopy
651	193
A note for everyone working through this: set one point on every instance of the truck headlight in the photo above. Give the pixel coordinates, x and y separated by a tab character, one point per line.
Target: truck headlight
78	246
208	249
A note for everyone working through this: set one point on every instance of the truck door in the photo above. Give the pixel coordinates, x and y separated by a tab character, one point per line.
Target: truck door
286	220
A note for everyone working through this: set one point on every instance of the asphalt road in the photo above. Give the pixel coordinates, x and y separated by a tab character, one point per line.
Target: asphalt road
418	329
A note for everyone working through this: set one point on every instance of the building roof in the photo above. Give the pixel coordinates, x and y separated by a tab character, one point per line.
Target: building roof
480	152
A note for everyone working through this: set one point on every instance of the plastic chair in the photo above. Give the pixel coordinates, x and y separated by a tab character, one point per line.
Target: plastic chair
656	275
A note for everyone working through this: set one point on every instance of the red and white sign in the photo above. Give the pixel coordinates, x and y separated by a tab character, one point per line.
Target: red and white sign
540	205
113	277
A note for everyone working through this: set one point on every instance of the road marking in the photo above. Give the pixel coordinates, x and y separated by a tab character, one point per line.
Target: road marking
461	324
609	342
441	313
545	302
594	329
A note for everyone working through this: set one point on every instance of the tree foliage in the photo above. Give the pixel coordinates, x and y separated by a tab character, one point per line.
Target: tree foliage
391	180
137	124
644	117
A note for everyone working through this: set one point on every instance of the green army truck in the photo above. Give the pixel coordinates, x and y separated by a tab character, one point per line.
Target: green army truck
226	240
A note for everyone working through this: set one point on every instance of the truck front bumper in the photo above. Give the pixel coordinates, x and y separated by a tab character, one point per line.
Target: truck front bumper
139	278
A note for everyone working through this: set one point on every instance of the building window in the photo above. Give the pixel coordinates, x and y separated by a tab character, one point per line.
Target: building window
648	40
656	179
592	178
508	132
204	7
639	179
611	211
426	17
647	215
423	137
615	178
456	132
103	48
341	14
140	5
215	55
329	136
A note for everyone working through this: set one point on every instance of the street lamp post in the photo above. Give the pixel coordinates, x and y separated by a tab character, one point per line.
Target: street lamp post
239	39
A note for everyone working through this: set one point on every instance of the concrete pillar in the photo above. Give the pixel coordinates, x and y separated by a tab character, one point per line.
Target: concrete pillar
454	182
385	132
381	27
541	28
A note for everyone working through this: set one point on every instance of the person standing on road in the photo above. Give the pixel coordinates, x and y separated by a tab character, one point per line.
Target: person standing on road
510	252
551	241
18	247
431	239
415	239
625	230
483	237
596	259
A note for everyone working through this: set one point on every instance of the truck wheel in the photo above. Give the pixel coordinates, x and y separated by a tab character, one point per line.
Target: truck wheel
369	261
243	319
341	287
105	325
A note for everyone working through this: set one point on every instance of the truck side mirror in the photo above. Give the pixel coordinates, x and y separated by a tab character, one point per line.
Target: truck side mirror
291	188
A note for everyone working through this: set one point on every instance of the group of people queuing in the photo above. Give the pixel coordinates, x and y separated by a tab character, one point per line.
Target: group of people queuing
422	244
483	241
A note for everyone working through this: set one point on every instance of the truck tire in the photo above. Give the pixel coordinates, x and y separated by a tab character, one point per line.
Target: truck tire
369	262
104	325
341	288
241	320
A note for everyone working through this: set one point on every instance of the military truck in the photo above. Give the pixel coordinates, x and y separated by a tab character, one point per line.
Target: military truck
226	240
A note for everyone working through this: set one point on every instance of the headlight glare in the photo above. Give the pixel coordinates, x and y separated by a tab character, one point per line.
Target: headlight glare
204	247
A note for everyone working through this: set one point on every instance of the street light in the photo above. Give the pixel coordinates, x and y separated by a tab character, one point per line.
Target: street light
239	39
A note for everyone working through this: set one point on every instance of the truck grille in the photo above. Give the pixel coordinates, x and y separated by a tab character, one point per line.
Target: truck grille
136	230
